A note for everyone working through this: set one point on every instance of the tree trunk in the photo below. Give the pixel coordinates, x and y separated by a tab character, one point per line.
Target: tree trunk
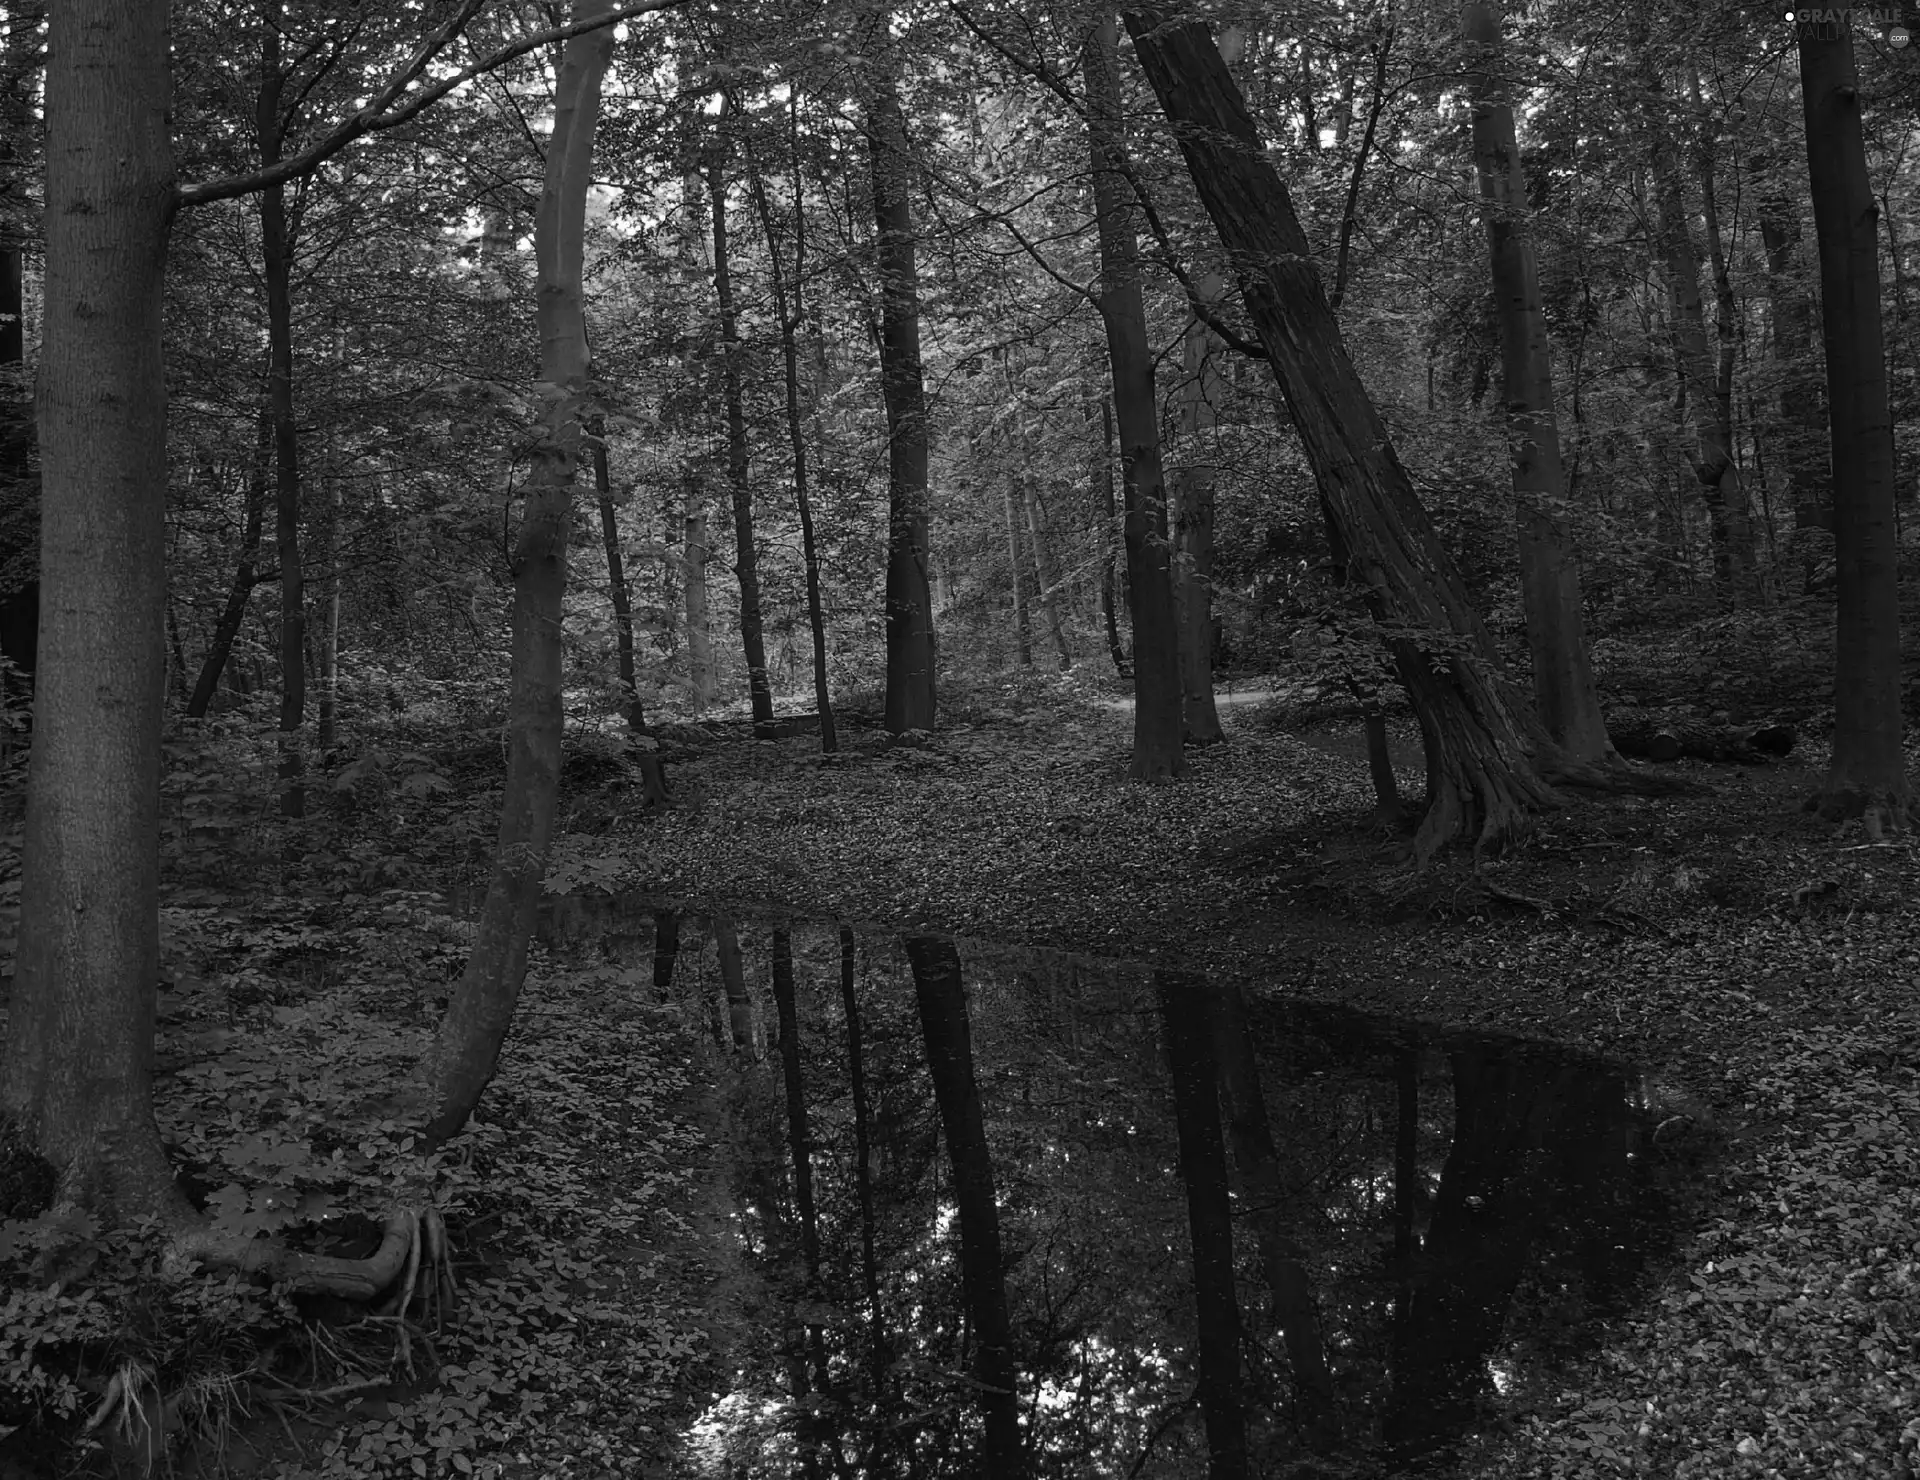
1046	573
863	1162
466	1049
666	948
1868	776
796	434
618	592
653	773
1800	395
1022	624
1157	754
1712	458
746	559
1103	492
78	1057
799	1138
733	980
943	1021
1281	1261
244	580
1192	492
1563	688
1490	751
910	643
276	251
327	734
1203	1168
701	684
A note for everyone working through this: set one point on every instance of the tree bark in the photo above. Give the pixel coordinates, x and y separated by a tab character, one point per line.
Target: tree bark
701	683
78	1056
1022	624
910	640
746	566
1563	688
1491	754
245	579
327	733
1045	572
1800	394
796	433
863	1162
1868	777
943	1022
1157	754
276	251
1192	497
466	1049
1203	1169
1103	493
1250	1135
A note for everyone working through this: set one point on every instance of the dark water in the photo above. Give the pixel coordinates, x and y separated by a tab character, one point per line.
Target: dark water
1017	1213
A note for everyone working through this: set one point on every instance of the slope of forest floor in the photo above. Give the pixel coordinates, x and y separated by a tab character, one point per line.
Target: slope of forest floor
1763	967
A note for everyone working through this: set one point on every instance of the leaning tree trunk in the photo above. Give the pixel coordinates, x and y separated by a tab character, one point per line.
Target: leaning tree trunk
1157	754
1193	489
943	1022
1868	776
276	251
746	566
910	644
1563	688
618	591
1490	754
78	1056
245	578
467	1047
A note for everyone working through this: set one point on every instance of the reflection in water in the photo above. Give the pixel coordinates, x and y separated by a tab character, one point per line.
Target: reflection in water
1020	1214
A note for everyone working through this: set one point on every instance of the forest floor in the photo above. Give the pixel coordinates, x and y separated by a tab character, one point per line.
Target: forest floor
1764	968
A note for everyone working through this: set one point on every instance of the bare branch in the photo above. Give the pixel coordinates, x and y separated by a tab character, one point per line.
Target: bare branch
387	111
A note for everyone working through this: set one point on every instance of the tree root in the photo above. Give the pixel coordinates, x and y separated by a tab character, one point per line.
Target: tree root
408	1238
1617	778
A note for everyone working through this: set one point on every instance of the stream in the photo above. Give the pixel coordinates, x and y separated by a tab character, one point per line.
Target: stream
1012	1211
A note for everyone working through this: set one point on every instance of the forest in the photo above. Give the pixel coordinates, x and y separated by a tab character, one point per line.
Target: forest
921	740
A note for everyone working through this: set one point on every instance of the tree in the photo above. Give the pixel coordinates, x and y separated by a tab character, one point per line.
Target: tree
78	1060
1185	1020
79	1057
943	1021
467	1046
1563	688
278	233
1868	776
1707	392
1157	724
746	567
1488	757
1193	494
910	643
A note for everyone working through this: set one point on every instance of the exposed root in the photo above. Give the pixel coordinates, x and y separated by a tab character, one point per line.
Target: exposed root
1617	778
405	1237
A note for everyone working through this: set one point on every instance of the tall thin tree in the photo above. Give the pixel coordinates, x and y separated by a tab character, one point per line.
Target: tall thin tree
1868	777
